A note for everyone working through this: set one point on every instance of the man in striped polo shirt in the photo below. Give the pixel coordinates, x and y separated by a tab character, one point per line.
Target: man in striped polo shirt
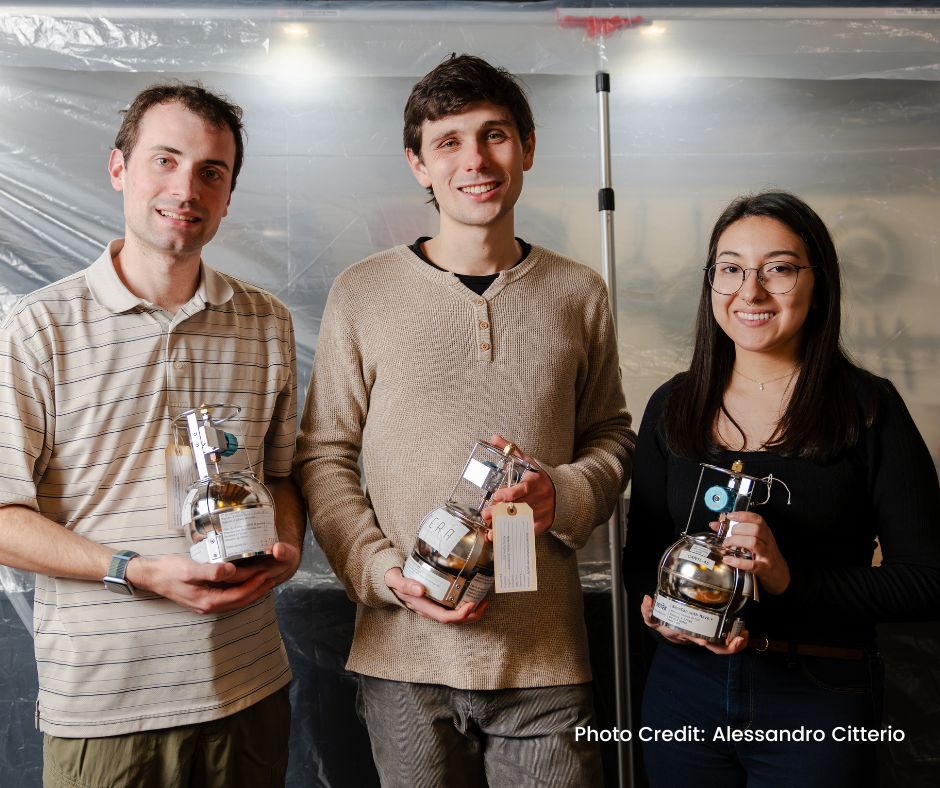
423	349
182	678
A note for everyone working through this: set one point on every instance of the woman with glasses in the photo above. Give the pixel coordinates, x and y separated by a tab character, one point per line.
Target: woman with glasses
794	698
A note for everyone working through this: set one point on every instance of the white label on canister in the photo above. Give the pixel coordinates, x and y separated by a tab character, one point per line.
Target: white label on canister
675	614
442	531
478	588
208	550
697	557
198	552
700	550
415	570
248	530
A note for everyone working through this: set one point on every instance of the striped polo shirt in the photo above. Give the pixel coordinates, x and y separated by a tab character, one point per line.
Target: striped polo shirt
91	377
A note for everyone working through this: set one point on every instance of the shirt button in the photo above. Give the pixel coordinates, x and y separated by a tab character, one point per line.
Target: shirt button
484	346
484	324
479	302
177	364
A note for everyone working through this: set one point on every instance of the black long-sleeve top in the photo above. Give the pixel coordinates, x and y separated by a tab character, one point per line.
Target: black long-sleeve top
885	486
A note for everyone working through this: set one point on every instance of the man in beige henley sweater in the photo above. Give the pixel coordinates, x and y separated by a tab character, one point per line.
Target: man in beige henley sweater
424	349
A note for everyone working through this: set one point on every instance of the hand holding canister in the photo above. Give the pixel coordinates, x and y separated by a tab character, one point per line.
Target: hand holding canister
452	558
704	580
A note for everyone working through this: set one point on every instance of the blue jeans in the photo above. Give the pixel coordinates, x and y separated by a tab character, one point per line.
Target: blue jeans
729	703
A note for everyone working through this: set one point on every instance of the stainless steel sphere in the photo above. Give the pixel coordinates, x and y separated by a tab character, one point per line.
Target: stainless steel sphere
472	552
209	499
694	570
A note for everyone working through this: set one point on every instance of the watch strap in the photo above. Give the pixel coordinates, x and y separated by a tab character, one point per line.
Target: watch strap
119	561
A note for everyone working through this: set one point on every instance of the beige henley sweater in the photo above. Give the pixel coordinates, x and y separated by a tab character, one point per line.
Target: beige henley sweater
411	369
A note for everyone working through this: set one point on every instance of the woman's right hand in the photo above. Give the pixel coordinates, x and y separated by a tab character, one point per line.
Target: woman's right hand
732	644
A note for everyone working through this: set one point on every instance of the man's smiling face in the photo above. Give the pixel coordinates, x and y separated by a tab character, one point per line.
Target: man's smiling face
473	161
176	182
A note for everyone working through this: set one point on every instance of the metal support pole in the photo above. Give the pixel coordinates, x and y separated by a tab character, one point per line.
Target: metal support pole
605	204
605	195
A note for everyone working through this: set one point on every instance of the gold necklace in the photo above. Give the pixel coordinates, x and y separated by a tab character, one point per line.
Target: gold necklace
762	383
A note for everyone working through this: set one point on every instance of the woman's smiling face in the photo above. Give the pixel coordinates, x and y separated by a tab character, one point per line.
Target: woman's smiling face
755	320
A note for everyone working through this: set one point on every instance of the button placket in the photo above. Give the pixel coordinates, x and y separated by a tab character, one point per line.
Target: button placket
483	328
177	370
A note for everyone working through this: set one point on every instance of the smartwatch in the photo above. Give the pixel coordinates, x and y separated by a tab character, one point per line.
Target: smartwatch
114	581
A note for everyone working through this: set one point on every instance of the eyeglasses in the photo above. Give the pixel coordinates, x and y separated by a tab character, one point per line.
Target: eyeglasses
775	278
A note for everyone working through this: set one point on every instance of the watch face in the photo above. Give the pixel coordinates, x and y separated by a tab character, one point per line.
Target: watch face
118	586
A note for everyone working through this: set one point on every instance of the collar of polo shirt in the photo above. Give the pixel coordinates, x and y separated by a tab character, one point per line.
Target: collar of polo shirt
110	292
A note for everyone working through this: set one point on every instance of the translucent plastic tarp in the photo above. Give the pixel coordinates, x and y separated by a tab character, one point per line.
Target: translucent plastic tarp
706	103
840	105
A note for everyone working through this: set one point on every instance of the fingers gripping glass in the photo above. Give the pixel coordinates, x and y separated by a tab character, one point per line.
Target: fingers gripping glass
775	278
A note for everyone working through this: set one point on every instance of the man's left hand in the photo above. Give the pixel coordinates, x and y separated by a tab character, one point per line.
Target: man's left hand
213	588
535	489
278	567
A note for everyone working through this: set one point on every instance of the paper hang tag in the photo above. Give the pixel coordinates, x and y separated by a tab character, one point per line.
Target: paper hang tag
514	548
179	475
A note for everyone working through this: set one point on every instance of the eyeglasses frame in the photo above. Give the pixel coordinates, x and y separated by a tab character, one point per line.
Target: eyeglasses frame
760	281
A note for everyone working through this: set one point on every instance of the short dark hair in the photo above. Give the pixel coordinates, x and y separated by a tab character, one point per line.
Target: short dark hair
214	108
816	423
456	83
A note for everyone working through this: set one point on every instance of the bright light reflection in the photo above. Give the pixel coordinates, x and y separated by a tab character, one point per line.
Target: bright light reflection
656	73
296	31
652	31
296	65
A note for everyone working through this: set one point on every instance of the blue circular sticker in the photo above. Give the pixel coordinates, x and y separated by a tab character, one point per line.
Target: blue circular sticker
716	498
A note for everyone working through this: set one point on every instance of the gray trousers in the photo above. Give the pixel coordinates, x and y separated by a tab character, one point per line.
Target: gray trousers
432	736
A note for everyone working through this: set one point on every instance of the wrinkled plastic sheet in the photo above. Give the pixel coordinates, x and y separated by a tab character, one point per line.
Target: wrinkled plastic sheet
841	105
912	678
20	745
838	104
408	39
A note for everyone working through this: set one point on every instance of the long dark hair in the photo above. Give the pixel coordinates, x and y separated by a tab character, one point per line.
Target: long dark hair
823	415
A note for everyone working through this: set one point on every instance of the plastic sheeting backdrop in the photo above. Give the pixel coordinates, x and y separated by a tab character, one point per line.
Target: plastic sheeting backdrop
841	106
